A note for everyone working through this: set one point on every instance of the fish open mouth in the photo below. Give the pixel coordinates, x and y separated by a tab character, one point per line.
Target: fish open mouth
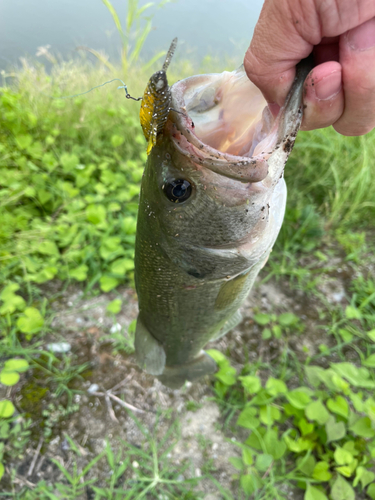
224	123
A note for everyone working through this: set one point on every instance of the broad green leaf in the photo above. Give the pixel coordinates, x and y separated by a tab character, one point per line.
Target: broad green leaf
335	430
247	456
6	408
313	493
321	472
263	461
356	376
255	440
275	386
371	491
1	470
299	398
342	456
345	335
96	214
16	364
31	322
24	140
347	470
317	412
129	225
274	446
371	335
48	247
341	490
236	462
251	383
340	384
107	283
339	405
9	378
370	409
298	445
315	375
117	140
350	446
306	465
287	319
363	428
353	313
276	330
122	266
11	301
69	161
45	274
262	319
248	419
114	307
370	361
268	414
305	427
266	334
217	356
250	483
357	401
79	273
43	196
226	374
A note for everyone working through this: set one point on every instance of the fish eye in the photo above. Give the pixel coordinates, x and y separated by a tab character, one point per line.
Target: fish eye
177	190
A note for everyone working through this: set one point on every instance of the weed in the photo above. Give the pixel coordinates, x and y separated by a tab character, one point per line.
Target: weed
319	436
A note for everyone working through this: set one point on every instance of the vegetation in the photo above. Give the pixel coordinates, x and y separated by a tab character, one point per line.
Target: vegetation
70	172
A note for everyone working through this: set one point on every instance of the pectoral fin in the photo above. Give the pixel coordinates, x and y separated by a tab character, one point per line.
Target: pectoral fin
228	325
149	352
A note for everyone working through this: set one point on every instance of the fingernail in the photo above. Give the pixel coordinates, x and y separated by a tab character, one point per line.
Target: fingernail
362	37
329	86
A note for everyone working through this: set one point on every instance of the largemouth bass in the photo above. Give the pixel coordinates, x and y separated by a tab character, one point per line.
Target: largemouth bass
211	206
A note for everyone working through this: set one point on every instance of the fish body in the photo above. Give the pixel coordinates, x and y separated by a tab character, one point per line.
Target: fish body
211	206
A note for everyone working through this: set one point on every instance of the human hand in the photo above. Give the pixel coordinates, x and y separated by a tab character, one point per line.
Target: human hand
340	90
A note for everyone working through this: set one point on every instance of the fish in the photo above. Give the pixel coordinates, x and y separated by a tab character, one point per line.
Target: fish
156	102
211	206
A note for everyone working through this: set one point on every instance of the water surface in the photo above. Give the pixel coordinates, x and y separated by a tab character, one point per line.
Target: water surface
216	27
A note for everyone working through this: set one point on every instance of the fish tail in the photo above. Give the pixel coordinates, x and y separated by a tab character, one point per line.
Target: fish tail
175	376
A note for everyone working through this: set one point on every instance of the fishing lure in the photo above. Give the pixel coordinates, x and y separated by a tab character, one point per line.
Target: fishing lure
156	102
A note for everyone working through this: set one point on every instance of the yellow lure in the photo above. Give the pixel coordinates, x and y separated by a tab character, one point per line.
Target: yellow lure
156	102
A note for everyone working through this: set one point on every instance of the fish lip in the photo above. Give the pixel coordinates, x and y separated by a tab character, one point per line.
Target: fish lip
181	130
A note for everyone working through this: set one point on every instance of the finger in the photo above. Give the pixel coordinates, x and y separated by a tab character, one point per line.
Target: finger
357	56
270	60
323	97
286	32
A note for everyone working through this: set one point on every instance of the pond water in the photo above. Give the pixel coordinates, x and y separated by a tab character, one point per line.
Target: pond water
215	27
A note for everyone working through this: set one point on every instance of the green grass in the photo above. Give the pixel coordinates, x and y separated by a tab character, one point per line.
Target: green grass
70	174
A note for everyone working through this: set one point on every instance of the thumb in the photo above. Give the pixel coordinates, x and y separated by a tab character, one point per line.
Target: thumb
277	47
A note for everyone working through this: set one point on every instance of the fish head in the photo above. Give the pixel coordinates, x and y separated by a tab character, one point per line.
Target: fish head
209	182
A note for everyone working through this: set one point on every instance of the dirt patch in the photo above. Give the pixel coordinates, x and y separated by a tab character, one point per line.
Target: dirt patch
202	441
